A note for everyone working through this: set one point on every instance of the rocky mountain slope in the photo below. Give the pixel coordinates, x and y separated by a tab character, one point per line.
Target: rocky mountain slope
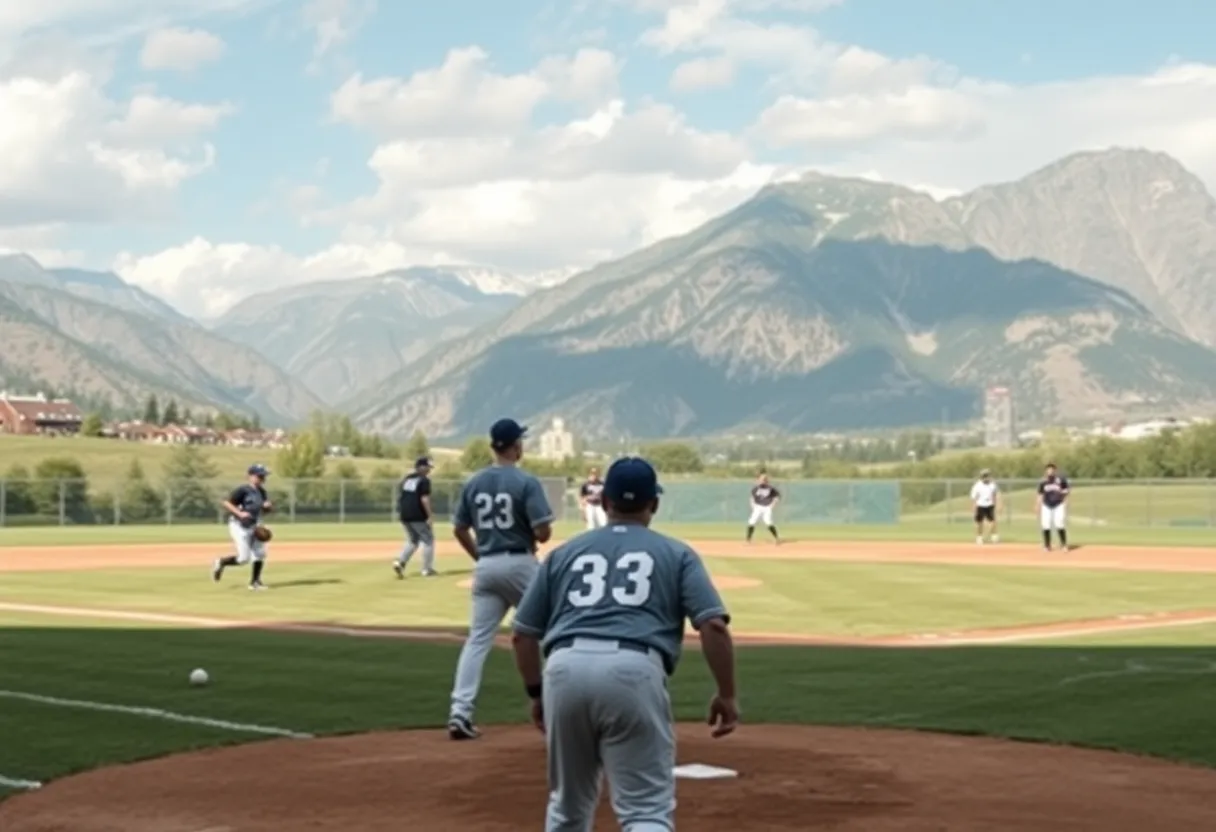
342	337
97	337
819	303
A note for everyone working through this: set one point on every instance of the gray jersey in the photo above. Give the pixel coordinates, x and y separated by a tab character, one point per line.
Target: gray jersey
622	582
503	504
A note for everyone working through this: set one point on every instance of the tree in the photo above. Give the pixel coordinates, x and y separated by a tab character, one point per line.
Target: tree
187	416
139	501
674	457
18	496
152	411
170	415
61	481
476	454
303	458
417	446
92	424
189	476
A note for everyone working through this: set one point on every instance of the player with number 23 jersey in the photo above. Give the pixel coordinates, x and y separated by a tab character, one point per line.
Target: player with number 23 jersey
501	518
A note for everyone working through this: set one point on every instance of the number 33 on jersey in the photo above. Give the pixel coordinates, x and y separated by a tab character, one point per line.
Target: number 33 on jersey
623	582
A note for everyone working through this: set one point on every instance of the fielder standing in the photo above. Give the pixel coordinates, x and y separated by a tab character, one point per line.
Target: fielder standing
983	500
607	609
1052	503
764	498
417	518
591	501
245	507
502	516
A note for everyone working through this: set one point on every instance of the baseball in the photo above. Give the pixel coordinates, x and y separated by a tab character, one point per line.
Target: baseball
198	677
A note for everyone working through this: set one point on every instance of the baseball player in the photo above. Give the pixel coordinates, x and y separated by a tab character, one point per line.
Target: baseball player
764	498
245	507
501	518
417	518
607	610
590	500
983	500
1052	504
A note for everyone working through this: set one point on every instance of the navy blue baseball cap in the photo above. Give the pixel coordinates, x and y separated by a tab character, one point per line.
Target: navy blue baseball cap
631	482
258	470
506	432
423	462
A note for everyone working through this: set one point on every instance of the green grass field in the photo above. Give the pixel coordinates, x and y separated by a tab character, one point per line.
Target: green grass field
105	461
1145	691
1159	503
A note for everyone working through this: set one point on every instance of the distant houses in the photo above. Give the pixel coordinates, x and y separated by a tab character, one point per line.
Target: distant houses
137	431
38	415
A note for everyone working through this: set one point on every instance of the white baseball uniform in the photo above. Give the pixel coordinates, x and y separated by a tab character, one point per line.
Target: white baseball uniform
592	494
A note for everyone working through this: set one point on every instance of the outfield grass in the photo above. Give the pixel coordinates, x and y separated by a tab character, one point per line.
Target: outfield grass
324	685
922	529
798	597
105	461
1159	503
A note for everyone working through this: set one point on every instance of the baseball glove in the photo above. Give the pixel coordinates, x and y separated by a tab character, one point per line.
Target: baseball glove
262	533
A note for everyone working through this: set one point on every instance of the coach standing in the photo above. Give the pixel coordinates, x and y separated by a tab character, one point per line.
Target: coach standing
983	498
1052	504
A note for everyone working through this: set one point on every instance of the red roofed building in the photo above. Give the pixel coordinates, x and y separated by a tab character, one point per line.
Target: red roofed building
29	415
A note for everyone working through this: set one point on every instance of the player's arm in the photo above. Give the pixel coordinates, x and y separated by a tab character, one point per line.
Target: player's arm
424	497
582	497
233	505
462	524
528	628
776	497
704	608
1065	490
1038	499
540	515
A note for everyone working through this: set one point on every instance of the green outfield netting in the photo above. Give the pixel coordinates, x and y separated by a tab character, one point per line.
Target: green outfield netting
828	502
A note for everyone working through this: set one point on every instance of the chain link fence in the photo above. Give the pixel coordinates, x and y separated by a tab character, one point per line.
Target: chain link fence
1113	503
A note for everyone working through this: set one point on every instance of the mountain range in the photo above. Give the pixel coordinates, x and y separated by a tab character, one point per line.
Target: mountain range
1089	287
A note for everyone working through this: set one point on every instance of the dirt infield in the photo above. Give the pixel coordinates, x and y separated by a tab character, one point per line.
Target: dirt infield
1134	558
790	778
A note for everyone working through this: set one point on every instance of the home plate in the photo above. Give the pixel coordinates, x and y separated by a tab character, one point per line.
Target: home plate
700	771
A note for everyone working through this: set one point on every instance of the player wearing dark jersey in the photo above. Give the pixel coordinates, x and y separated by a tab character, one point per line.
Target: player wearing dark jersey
245	507
417	518
764	498
591	500
1053	506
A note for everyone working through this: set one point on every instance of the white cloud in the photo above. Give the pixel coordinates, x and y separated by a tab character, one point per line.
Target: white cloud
181	50
106	20
69	153
702	73
334	23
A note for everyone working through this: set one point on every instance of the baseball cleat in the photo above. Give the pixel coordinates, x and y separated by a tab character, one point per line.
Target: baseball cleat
462	728
217	570
257	586
429	573
399	568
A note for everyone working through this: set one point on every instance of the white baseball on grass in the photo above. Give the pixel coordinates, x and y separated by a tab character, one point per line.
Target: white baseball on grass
199	677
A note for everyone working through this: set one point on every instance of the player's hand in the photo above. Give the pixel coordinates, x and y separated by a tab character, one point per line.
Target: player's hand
268	506
538	715
723	716
244	515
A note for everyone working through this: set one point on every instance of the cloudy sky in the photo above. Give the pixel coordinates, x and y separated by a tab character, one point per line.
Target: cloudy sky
206	149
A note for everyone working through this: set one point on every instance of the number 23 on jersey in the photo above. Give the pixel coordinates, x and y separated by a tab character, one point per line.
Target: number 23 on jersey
635	568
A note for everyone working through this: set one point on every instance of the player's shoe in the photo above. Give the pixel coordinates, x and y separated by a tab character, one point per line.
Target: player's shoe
462	728
399	568
257	586
429	573
217	570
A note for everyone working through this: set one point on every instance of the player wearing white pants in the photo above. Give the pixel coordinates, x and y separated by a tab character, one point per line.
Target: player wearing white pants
764	498
501	518
590	499
1052	504
245	507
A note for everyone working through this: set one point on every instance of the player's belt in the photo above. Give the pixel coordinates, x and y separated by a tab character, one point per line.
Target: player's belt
622	643
512	552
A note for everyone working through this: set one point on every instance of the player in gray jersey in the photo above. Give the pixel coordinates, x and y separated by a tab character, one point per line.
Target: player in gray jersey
502	516
607	609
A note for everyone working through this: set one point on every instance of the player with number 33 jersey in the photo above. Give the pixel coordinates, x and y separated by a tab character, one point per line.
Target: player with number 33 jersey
607	609
502	516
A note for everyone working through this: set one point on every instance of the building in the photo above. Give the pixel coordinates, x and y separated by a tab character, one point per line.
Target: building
998	418
31	415
556	443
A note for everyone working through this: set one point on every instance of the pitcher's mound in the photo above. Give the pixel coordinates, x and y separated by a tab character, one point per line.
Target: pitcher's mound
789	778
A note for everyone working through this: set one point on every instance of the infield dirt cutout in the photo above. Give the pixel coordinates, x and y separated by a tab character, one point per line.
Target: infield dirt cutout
790	778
